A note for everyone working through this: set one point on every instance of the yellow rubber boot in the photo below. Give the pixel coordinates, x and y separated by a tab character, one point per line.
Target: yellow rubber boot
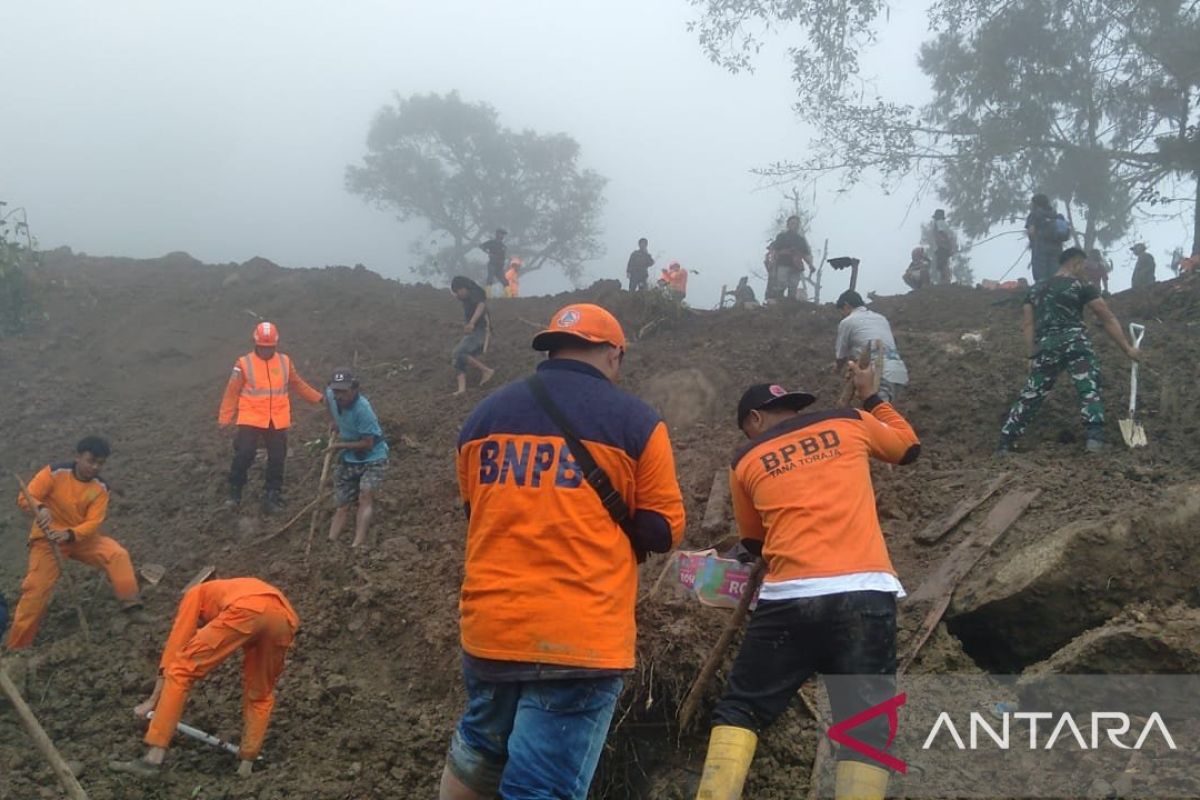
730	750
859	781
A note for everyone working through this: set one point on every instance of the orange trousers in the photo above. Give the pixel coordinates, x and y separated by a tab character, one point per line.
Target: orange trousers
264	635
96	551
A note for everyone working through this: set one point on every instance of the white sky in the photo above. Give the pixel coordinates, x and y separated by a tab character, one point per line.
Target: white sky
138	127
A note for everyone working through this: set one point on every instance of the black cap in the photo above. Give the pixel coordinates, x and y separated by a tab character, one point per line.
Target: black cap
764	396
343	379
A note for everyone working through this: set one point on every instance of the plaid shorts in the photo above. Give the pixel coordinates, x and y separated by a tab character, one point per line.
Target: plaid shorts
352	478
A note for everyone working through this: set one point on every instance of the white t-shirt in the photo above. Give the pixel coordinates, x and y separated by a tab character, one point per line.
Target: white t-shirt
816	587
863	326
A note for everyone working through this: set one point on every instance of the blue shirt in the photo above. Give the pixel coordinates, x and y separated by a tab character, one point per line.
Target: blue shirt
356	423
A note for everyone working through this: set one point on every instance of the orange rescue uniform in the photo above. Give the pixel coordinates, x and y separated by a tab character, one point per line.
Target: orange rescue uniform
804	489
258	392
514	287
243	613
549	577
676	280
78	506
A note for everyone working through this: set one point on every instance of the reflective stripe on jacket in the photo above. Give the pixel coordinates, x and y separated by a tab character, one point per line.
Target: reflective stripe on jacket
258	390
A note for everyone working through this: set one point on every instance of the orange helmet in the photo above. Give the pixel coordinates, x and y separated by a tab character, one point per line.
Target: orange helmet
581	321
266	334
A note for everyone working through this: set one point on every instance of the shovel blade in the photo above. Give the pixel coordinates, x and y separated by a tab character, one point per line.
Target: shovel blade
153	573
1138	436
1133	433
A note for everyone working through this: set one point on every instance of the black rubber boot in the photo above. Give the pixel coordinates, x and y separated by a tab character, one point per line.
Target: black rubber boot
272	502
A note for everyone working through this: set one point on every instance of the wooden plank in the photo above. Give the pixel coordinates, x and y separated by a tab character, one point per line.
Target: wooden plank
718	501
934	531
939	587
824	749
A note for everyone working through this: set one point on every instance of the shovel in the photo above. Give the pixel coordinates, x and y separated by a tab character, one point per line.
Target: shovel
207	738
1131	429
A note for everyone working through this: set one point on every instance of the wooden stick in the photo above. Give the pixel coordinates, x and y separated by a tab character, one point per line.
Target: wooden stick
935	530
718	499
316	503
692	701
864	358
940	586
65	576
878	363
287	525
38	734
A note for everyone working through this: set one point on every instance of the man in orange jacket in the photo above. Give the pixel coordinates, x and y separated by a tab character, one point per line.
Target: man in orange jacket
803	500
675	278
257	393
215	619
550	579
72	502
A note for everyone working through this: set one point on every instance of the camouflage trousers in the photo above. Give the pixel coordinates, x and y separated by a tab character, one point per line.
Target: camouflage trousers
1079	360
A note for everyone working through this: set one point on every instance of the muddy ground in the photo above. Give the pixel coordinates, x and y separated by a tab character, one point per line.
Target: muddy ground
139	351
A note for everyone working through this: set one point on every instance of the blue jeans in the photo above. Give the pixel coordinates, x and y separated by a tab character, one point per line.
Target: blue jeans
532	740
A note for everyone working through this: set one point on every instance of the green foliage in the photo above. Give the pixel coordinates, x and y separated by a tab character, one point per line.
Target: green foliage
1067	98
17	254
1096	102
450	163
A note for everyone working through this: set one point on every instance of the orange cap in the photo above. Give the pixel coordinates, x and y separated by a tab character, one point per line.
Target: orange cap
266	334
585	321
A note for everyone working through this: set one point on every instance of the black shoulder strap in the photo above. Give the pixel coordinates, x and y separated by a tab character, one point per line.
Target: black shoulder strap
596	477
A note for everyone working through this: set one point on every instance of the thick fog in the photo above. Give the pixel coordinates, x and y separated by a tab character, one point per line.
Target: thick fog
224	129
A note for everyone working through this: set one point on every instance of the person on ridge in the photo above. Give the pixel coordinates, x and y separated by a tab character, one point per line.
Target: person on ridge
943	247
1143	270
916	275
72	503
216	618
1046	230
550	578
257	400
497	259
513	276
803	502
675	279
788	254
638	268
1056	339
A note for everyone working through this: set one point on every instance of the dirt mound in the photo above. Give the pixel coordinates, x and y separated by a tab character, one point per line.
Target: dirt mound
139	351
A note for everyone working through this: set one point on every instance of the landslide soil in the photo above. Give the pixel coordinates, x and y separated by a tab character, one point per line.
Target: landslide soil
140	350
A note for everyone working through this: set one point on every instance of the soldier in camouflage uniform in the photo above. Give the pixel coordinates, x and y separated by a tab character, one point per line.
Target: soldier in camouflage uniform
1057	340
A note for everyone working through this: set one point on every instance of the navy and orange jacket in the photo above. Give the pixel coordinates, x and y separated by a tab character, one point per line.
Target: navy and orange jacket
258	392
549	577
803	489
204	603
75	505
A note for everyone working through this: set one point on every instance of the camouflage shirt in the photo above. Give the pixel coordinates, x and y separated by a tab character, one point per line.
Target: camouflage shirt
1058	305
